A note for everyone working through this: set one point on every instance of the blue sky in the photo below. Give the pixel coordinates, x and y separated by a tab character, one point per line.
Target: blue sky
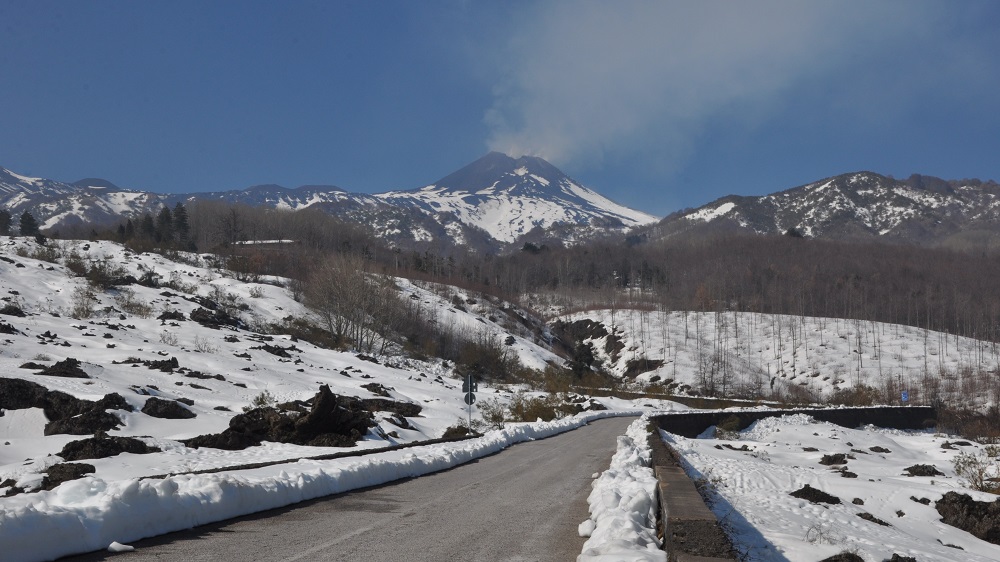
658	105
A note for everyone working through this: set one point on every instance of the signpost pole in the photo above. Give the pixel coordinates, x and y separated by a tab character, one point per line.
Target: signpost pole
469	387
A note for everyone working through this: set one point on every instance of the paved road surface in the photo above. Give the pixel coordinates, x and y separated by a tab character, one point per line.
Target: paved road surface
522	504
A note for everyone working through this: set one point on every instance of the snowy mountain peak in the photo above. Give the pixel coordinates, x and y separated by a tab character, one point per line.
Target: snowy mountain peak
510	197
861	205
501	171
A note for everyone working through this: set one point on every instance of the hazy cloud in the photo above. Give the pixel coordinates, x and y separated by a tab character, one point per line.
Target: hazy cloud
583	81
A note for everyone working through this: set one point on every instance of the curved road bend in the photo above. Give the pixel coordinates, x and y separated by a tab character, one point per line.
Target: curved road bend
522	504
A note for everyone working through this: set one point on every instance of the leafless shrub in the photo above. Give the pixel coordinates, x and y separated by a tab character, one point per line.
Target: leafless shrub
84	303
980	470
168	338
204	345
128	302
494	412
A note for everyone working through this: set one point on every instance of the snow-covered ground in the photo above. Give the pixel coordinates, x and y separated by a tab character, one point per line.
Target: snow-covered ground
751	489
220	371
753	354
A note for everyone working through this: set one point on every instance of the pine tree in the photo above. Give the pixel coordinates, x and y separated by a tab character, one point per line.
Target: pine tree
165	226
129	230
181	227
147	228
29	226
5	219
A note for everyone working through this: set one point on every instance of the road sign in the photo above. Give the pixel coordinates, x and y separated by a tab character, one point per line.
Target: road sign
470	384
470	398
906	396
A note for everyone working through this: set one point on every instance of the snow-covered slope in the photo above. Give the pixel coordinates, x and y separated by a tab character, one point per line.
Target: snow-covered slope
752	355
920	209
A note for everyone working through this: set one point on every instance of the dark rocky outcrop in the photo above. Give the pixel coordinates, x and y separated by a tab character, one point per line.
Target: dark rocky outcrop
66	414
405	409
869	517
102	446
844	557
377	389
166	409
12	310
813	495
68	367
165	365
171	315
87	423
332	421
834	459
923	470
277	350
64	472
214	318
981	519
32	365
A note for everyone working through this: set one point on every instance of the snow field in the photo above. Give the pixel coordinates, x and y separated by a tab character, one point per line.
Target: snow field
750	491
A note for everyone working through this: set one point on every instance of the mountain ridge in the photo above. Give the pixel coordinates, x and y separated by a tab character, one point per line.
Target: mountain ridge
487	205
922	210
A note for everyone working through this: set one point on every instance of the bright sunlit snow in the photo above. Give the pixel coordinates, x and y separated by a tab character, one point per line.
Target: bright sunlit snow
752	487
221	371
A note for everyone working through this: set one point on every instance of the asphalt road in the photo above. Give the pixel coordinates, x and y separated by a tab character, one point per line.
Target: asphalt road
522	504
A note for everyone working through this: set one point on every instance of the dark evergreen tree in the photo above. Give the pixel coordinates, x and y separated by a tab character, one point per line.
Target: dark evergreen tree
29	226
181	227
147	227
583	358
165	226
4	222
129	230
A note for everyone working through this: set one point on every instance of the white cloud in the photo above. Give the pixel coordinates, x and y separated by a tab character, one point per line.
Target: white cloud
585	81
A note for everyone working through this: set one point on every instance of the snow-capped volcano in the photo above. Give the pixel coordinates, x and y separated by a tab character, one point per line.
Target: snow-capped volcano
920	209
509	197
487	205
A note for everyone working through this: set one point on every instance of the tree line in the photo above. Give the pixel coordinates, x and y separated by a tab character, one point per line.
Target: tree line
938	289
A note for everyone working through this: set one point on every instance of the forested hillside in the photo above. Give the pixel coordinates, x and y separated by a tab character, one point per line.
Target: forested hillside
945	290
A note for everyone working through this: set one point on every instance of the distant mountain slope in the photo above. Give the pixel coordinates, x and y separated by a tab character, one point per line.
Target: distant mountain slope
921	210
56	204
488	205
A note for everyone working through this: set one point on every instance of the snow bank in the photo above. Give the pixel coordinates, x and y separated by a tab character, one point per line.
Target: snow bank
622	524
90	513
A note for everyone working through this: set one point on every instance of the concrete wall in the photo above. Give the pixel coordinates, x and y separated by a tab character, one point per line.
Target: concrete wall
691	424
